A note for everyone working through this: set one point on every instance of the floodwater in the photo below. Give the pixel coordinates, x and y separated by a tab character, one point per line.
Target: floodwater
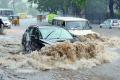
11	70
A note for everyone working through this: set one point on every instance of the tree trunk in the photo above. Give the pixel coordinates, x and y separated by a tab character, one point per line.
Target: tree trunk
111	8
119	4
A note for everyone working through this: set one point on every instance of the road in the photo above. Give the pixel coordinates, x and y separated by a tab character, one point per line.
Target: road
109	71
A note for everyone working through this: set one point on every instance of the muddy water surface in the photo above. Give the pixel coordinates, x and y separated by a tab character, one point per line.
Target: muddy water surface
23	71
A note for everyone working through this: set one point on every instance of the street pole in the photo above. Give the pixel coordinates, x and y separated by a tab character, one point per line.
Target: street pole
14	5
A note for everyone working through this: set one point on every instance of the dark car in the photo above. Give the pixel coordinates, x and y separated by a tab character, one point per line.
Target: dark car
36	37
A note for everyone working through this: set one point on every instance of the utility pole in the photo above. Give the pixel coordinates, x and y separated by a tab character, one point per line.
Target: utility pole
13	3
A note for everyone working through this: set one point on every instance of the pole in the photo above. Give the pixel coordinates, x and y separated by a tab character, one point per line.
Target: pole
14	5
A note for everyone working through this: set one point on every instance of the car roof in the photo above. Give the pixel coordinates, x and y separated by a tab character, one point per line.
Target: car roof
70	19
46	27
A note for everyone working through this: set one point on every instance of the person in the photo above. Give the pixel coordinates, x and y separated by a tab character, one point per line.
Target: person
1	26
51	16
18	23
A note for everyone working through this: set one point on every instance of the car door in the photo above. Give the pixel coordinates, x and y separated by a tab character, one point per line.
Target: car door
103	24
26	40
35	39
108	23
26	36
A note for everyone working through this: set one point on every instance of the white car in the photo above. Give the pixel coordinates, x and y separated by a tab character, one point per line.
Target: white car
76	26
110	23
6	22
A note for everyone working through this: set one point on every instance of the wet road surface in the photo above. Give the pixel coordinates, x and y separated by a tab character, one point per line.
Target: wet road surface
109	71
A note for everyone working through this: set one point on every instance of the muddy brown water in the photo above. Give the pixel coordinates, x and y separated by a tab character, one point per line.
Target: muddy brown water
108	71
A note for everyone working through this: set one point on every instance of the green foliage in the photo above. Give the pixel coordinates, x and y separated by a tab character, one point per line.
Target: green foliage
4	3
96	6
79	3
57	5
117	3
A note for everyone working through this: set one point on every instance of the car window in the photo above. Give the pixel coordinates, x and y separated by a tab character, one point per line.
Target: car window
104	22
59	23
5	19
107	22
115	21
77	25
55	22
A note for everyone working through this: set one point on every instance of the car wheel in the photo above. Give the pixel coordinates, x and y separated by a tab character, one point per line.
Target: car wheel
100	26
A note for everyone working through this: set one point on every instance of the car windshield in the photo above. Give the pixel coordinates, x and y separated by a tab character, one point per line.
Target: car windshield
55	34
77	25
107	22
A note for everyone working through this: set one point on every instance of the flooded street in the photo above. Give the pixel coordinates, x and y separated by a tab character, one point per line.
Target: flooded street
59	39
10	44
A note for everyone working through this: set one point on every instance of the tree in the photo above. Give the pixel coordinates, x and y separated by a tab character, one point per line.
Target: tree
47	5
78	7
111	8
117	2
113	5
4	4
96	10
58	5
79	3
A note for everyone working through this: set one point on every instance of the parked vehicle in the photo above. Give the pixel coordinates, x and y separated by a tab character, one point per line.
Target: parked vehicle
14	19
110	23
6	22
41	17
76	26
6	12
119	23
36	37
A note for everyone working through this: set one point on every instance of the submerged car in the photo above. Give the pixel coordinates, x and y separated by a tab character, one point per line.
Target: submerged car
76	26
110	23
6	22
36	37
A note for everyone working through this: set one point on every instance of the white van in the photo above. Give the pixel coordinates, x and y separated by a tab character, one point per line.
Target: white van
6	22
76	26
